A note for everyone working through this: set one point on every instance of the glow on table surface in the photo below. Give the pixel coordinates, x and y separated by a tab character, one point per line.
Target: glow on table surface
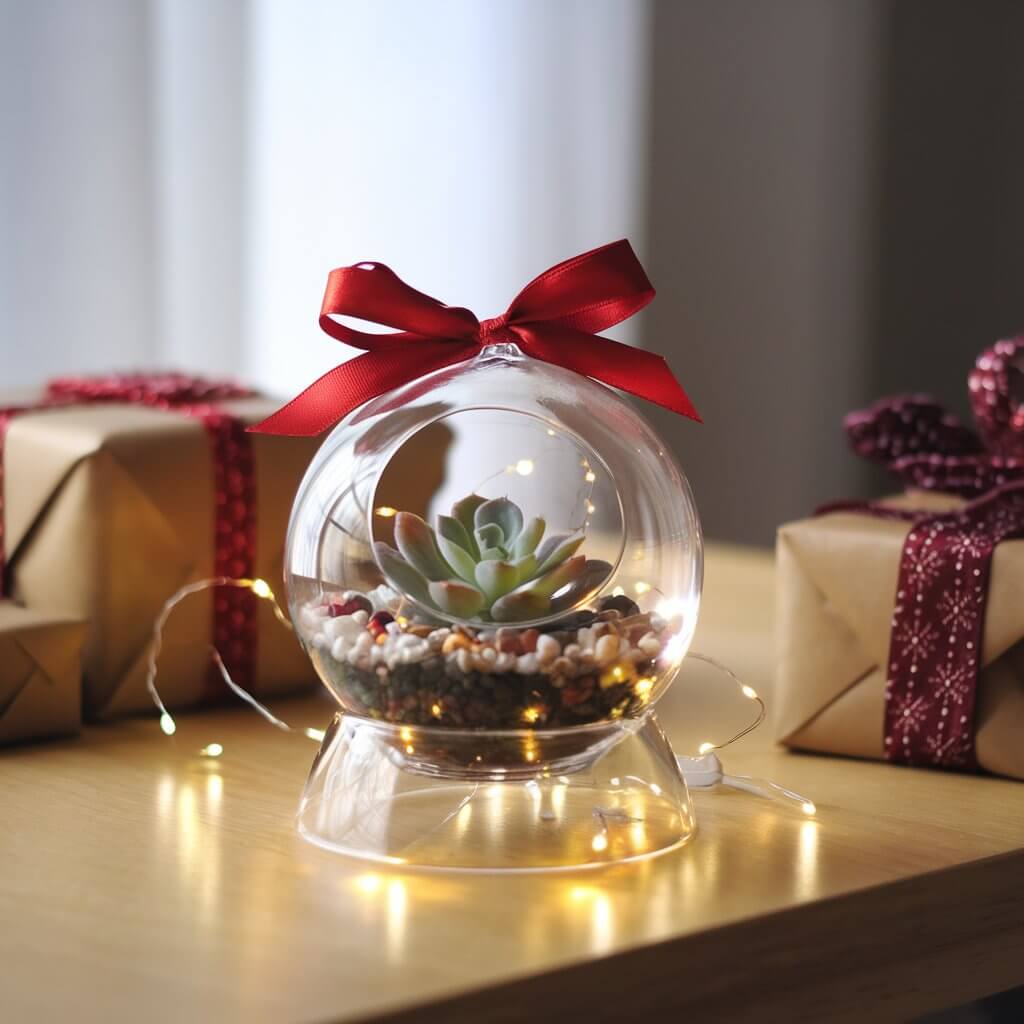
140	880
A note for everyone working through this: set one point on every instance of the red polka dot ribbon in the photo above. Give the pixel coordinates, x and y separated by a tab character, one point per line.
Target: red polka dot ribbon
234	513
935	647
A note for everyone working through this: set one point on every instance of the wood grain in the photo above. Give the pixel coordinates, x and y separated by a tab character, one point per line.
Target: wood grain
139	879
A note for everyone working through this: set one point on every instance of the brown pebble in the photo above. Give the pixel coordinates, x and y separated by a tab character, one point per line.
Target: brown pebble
508	641
644	619
455	642
610	615
528	640
563	667
422	631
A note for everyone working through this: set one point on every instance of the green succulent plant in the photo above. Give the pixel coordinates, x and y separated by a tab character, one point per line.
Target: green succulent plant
484	562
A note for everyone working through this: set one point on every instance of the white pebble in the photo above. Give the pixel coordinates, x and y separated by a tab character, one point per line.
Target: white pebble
320	640
527	664
572	651
464	660
489	654
342	626
311	618
585	638
547	648
657	623
383	599
415	652
339	649
505	662
437	638
360	617
606	649
650	645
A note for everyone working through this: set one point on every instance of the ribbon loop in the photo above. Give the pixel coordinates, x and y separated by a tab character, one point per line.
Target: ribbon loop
554	318
929	448
998	412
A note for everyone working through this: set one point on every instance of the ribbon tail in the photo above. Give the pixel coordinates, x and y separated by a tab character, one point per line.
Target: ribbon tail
635	370
348	386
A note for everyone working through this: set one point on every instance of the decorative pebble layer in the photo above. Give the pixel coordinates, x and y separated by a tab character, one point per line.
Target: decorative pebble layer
595	665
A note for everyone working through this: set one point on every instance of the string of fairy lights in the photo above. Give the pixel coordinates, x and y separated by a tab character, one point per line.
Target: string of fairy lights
702	772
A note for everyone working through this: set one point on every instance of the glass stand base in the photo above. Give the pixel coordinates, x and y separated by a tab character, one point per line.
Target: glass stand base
373	794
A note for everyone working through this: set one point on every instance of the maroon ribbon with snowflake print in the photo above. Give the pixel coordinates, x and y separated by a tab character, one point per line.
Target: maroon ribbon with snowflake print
234	626
939	614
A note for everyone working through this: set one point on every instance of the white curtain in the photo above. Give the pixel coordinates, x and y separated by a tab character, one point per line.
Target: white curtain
178	176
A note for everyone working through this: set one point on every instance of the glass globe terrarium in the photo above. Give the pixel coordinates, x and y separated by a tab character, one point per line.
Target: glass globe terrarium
496	571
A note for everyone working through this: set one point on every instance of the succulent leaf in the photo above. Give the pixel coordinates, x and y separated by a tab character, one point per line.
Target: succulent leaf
457	598
595	572
401	572
464	511
525	567
557	578
557	549
496	578
451	529
490	536
418	545
458	558
529	537
504	513
519	606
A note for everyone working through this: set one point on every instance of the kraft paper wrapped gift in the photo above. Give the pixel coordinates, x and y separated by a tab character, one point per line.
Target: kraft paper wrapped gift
40	674
110	509
836	581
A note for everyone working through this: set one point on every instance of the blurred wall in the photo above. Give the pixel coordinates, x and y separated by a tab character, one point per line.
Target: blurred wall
827	193
836	212
468	144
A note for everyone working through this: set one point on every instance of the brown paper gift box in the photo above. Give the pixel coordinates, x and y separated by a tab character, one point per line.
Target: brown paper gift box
40	674
836	591
109	510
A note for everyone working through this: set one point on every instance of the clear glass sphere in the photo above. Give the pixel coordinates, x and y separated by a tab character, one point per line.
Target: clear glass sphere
502	545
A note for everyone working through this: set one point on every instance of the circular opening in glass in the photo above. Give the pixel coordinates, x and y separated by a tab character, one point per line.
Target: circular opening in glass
491	516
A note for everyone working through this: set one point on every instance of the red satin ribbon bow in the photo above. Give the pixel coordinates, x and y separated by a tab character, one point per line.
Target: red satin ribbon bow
555	318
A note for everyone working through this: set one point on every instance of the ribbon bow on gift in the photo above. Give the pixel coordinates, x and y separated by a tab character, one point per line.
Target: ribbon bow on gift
935	648
555	318
929	448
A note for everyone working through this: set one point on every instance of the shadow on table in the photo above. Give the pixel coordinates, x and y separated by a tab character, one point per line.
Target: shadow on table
1004	1008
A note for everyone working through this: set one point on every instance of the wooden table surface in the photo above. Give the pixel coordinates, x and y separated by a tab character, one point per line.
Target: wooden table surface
139	881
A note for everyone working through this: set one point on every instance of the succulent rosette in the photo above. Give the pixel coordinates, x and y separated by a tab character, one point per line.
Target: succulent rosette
485	562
